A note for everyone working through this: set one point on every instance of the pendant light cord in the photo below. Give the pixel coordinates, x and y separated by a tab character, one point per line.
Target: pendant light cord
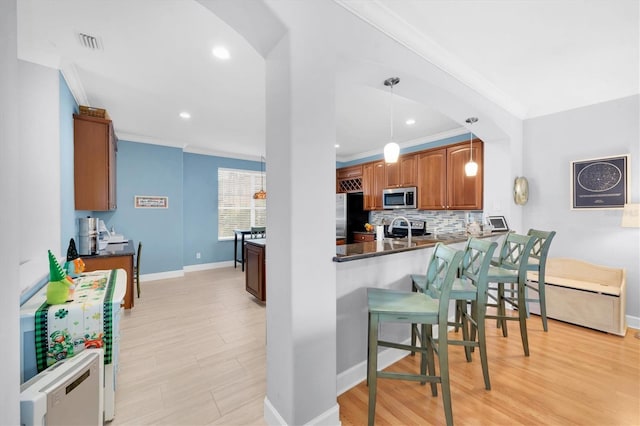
391	110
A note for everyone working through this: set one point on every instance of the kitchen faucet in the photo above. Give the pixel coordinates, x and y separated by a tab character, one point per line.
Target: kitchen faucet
408	226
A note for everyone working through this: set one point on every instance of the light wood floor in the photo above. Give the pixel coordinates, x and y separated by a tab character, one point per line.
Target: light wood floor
193	352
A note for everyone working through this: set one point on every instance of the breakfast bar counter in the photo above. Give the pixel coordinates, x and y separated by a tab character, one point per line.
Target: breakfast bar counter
355	251
385	264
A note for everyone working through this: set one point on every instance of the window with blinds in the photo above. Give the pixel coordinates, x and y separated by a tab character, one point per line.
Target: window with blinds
237	209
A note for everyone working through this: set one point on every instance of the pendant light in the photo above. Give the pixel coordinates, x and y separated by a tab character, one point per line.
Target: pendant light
391	149
261	195
471	168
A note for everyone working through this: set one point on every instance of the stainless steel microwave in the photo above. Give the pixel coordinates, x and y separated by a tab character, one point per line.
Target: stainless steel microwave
400	198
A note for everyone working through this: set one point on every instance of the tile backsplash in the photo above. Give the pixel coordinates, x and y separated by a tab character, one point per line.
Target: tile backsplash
437	221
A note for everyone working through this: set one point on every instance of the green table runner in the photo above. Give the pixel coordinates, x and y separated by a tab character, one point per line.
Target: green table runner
61	331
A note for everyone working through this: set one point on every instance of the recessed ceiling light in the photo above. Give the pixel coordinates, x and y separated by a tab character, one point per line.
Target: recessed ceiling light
185	115
337	145
221	52
410	122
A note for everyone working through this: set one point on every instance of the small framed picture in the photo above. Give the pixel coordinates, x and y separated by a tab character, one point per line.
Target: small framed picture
499	223
151	202
600	183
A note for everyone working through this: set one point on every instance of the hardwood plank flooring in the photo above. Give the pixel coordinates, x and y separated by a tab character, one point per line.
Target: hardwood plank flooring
574	376
193	353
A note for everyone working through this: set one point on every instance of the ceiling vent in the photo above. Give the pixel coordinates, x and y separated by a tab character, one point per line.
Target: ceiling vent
89	41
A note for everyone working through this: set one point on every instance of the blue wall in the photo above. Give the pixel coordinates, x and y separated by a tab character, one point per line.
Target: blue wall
201	207
427	145
144	169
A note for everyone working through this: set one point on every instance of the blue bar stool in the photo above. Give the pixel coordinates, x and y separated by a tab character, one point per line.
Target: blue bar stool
538	263
427	309
469	290
509	275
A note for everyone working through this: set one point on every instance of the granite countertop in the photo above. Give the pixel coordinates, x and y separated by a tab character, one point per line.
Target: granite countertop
355	251
118	249
262	242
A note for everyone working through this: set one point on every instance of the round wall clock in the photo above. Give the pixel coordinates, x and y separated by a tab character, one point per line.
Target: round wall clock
520	190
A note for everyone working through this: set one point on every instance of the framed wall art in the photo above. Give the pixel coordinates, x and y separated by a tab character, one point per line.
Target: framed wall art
150	202
600	183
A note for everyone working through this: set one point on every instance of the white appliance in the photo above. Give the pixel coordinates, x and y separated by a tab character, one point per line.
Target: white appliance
67	393
400	198
109	371
108	237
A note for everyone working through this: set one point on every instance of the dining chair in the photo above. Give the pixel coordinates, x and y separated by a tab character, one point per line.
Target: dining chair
470	293
538	263
507	277
136	269
258	232
426	309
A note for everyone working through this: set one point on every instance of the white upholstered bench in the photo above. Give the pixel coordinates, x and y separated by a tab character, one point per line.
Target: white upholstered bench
585	294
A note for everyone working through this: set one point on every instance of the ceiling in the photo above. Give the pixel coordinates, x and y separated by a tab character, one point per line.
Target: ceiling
530	57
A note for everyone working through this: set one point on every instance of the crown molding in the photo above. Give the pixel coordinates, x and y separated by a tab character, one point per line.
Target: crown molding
70	74
388	22
192	149
407	144
225	154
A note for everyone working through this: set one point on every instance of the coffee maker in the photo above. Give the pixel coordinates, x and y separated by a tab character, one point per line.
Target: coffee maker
87	236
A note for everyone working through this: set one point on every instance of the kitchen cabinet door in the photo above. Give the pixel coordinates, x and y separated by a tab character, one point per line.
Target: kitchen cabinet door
464	192
255	275
402	173
361	237
94	150
432	179
408	169
373	181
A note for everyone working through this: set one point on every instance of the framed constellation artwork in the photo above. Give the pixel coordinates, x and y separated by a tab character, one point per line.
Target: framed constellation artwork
600	183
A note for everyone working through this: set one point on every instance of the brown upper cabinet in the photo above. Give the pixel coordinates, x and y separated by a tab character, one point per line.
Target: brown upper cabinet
373	180
94	151
401	173
442	183
349	179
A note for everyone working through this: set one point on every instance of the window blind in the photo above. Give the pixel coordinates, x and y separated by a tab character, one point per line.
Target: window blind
237	209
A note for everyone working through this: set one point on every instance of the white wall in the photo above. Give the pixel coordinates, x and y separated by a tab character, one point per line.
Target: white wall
301	308
29	189
550	143
9	217
39	177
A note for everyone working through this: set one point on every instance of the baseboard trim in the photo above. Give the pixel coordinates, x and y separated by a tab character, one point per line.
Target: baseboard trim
206	266
271	415
161	275
329	417
188	268
356	374
633	322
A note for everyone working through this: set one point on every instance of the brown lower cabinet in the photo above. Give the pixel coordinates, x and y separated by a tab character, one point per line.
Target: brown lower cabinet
255	269
361	237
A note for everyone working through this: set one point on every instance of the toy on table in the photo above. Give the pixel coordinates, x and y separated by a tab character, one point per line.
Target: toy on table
58	288
74	265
